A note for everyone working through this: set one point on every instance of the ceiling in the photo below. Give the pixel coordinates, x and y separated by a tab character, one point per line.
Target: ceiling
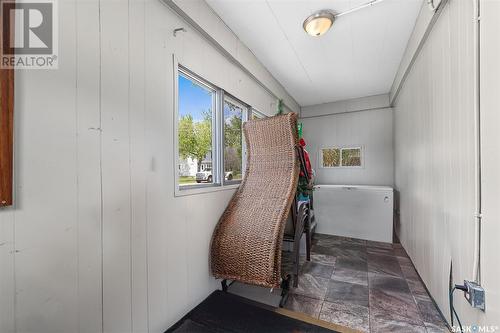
358	57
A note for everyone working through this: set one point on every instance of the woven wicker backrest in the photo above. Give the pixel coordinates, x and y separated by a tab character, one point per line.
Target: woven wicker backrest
246	244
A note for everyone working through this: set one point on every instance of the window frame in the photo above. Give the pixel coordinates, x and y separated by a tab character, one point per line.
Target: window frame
257	113
341	148
245	108
218	173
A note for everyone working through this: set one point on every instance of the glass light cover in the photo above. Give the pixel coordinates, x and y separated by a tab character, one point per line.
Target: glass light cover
318	26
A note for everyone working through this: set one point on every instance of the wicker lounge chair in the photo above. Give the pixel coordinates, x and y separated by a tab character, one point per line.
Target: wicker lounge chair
246	244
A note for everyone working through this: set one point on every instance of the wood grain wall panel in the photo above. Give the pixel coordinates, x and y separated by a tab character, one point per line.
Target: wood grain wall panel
7	234
7	215
7	271
115	164
138	166
6	136
46	228
88	154
163	228
490	138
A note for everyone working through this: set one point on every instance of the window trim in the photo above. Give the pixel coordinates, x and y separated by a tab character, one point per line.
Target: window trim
192	77
218	183
341	166
244	117
260	115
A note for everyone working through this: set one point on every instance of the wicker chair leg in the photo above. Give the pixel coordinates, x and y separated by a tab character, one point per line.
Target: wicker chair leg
296	254
285	289
224	285
308	244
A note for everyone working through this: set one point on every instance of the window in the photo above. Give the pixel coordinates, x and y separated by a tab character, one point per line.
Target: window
341	157
195	130
351	157
331	158
233	147
209	143
257	115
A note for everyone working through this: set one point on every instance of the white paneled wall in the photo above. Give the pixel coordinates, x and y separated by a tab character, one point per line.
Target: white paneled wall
96	241
371	129
490	152
435	160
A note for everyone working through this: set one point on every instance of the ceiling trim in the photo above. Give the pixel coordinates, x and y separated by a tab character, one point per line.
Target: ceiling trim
374	102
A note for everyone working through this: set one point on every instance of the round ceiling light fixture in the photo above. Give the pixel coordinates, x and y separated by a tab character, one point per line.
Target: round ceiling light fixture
318	23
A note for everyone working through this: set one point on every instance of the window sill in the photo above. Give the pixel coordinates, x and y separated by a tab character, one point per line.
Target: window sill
342	167
204	189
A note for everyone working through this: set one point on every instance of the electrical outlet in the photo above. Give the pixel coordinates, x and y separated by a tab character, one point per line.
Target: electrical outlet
474	294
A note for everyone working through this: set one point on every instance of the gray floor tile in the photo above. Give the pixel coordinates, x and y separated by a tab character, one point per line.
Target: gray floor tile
429	313
386	326
356	252
324	249
437	328
383	264
404	261
350	315
316	269
400	252
380	250
311	286
325	236
379	244
354	241
358	264
323	259
350	275
409	271
327	241
418	290
307	305
346	292
393	306
373	286
389	284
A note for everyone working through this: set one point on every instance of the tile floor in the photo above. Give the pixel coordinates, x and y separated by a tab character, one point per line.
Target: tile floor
368	286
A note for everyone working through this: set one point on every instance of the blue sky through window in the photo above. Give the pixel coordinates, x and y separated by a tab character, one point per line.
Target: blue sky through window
231	112
193	99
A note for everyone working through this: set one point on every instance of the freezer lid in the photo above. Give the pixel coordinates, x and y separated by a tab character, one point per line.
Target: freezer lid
354	187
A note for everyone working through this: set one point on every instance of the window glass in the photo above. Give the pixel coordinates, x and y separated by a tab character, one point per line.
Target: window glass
331	157
233	152
195	132
351	157
256	115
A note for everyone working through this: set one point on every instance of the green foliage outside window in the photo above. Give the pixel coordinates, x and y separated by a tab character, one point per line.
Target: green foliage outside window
351	157
195	138
331	158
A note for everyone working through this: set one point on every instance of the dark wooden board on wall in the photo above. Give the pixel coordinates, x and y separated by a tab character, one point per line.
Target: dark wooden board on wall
6	128
6	135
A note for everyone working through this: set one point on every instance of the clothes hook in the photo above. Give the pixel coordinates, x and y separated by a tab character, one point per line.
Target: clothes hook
179	30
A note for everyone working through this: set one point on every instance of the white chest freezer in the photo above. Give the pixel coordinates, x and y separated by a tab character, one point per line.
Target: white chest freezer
356	211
